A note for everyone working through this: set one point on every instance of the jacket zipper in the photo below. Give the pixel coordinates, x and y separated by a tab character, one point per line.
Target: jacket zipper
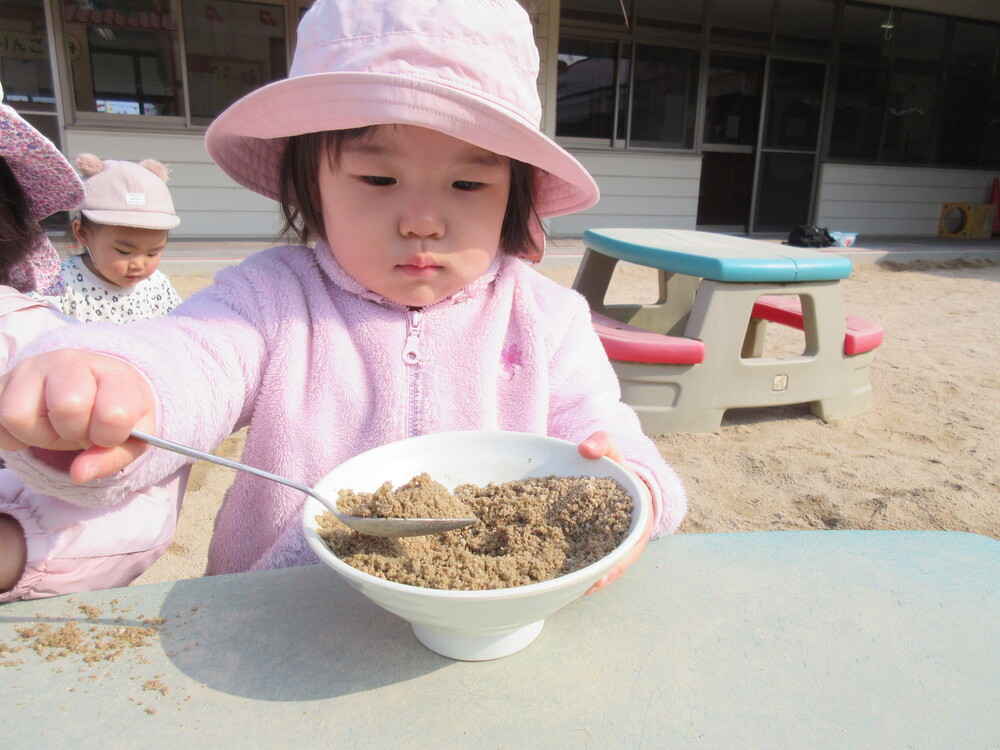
411	358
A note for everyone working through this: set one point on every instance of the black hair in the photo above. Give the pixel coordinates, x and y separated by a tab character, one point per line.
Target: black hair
18	230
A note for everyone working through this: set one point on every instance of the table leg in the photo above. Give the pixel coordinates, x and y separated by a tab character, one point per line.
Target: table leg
736	375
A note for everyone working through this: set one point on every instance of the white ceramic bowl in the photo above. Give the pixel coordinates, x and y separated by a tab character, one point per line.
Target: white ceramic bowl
474	625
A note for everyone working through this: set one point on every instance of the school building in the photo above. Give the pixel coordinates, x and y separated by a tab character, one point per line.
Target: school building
741	116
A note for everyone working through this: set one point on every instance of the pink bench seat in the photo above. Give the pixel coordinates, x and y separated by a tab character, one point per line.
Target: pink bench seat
862	335
627	343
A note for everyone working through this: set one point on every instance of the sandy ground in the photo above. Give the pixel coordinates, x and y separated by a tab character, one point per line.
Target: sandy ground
927	456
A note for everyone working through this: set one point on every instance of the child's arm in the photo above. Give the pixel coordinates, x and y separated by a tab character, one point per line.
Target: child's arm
586	399
80	405
49	547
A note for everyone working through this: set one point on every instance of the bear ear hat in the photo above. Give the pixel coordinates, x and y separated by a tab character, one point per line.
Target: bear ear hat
89	165
127	193
157	168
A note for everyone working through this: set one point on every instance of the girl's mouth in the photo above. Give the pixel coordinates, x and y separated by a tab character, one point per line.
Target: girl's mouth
419	271
419	267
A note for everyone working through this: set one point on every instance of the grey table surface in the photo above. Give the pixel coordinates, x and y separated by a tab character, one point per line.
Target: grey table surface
813	639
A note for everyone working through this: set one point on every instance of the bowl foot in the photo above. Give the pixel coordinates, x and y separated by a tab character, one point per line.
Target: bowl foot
466	647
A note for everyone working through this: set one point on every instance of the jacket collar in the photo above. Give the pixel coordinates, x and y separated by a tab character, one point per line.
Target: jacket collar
343	280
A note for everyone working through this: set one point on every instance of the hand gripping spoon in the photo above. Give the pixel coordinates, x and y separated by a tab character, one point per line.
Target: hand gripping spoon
371	526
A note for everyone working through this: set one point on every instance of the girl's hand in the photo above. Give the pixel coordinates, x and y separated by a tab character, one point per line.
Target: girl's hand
71	400
602	444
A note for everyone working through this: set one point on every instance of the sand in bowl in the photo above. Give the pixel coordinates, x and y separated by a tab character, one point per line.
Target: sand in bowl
529	530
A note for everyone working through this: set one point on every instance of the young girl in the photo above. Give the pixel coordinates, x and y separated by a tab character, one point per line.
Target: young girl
405	144
52	546
123	227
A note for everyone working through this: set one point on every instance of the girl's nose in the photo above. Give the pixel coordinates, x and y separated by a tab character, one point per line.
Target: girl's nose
421	218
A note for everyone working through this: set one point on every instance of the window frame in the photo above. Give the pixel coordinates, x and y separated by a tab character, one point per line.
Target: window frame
291	11
631	41
941	73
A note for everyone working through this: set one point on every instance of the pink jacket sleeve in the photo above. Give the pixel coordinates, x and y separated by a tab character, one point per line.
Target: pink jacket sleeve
73	548
22	319
586	398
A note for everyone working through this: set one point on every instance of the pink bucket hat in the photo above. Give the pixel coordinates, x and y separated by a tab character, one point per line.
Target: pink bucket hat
466	68
126	193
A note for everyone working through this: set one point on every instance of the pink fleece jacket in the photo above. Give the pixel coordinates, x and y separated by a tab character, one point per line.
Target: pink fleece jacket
72	548
322	369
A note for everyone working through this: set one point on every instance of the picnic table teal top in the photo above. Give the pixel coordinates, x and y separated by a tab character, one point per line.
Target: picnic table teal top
720	257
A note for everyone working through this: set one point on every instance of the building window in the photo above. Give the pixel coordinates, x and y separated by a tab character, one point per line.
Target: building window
24	57
919	38
804	27
26	74
125	61
664	97
128	60
909	118
591	82
649	102
741	22
915	88
231	49
858	112
678	21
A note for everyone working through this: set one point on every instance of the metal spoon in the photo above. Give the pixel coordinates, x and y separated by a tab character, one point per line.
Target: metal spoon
370	526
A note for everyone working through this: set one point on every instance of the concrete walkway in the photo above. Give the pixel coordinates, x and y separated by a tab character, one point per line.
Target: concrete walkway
187	256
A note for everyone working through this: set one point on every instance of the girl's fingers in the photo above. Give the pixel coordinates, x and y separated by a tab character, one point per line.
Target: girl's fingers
23	414
68	400
97	462
69	394
122	402
600	444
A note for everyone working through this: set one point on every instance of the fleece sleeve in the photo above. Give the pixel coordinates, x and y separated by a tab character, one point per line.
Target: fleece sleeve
202	362
586	398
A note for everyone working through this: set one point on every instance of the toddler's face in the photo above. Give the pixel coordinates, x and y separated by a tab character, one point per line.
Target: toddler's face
122	256
413	214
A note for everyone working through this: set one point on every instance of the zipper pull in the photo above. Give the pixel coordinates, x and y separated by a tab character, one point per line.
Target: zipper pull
411	349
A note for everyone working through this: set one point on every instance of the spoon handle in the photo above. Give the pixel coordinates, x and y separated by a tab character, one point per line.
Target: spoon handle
194	453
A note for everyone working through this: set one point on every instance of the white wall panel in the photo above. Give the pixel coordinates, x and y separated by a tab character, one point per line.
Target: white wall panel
877	200
637	190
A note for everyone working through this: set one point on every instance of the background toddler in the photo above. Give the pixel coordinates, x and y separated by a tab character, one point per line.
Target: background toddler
123	227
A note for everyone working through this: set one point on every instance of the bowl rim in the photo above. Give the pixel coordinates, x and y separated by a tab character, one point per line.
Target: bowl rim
640	515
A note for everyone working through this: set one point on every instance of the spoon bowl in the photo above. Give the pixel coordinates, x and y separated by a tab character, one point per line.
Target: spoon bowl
394	527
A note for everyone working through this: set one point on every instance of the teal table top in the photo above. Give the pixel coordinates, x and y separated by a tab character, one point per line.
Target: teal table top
719	257
818	639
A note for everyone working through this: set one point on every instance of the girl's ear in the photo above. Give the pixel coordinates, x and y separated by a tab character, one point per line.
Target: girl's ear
79	231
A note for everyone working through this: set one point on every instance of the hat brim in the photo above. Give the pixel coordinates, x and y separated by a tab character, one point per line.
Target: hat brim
137	219
248	139
48	180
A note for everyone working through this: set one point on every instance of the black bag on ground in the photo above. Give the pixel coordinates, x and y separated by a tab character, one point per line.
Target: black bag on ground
809	235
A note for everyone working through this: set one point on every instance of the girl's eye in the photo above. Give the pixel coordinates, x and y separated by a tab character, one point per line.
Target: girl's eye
466	185
122	252
378	181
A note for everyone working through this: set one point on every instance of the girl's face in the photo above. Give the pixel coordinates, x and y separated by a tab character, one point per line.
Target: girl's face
122	256
412	214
